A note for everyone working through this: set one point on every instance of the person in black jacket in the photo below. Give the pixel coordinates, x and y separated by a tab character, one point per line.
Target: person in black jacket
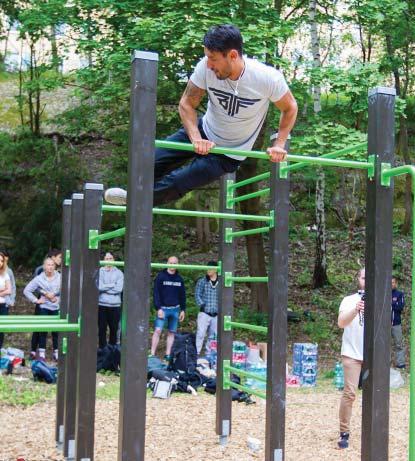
398	303
170	304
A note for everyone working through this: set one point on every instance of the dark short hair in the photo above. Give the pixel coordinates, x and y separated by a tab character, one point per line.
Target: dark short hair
223	38
212	263
54	253
5	253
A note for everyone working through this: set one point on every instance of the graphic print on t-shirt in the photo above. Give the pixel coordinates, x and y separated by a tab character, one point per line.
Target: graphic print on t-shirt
230	102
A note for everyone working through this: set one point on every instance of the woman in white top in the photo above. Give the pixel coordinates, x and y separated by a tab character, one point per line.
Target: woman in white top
352	321
5	290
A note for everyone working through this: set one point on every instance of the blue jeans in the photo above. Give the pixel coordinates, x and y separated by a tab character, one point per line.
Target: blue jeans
171	316
173	179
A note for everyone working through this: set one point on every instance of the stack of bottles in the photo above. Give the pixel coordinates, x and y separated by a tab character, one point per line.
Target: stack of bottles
212	351
305	363
339	376
239	353
256	365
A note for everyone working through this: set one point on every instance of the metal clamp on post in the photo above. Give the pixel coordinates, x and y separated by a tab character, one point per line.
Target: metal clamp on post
230	194
283	170
371	170
227	323
64	345
67	258
228	279
93	239
226	375
385	180
228	235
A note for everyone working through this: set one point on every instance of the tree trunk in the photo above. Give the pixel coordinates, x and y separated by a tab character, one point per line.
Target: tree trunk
320	263
54	47
254	243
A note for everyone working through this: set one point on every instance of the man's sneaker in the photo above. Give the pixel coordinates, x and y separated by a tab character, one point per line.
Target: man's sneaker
343	440
116	196
401	366
167	358
33	355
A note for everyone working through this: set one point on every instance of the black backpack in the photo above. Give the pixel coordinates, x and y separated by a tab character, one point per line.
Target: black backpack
109	358
184	353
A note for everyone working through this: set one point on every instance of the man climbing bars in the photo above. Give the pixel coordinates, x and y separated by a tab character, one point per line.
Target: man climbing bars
239	90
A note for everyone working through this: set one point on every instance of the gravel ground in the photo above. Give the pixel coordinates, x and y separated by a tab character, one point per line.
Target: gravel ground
182	428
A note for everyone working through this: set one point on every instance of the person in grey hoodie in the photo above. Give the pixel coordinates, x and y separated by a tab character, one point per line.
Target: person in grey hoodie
111	284
48	285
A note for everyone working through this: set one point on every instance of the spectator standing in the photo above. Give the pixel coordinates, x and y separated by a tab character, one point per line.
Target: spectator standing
351	319
111	284
56	256
5	290
398	304
207	299
48	285
170	304
11	298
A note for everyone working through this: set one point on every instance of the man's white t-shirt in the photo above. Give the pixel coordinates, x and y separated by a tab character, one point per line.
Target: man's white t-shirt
3	279
352	343
235	120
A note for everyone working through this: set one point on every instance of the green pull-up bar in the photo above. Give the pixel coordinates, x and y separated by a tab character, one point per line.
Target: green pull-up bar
39	328
228	324
191	267
228	384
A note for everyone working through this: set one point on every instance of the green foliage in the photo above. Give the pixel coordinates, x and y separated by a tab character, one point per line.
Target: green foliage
36	175
318	329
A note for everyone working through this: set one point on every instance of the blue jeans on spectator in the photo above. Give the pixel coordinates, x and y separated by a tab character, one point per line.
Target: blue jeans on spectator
4	310
42	336
173	179
171	316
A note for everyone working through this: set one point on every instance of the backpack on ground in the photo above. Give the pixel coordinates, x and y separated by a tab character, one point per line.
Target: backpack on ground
109	358
42	372
154	364
184	353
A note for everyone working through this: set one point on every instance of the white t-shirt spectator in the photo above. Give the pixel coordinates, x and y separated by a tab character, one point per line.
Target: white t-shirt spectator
237	109
352	343
3	279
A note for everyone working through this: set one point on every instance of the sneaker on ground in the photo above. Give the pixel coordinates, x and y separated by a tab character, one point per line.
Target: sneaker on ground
167	358
343	440
32	355
116	196
403	366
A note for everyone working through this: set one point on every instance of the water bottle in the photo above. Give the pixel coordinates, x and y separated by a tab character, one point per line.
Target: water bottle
339	376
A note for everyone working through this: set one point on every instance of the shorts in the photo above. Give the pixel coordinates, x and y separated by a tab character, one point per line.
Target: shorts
171	316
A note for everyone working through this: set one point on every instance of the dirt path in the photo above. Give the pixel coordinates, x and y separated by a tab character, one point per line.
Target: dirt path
182	428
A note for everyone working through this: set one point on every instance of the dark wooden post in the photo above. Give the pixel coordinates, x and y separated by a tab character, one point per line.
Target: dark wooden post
64	303
277	317
87	351
375	412
138	239
71	368
227	258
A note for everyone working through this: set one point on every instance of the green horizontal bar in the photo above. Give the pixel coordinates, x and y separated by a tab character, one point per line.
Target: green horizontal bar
257	230
262	155
337	153
29	321
387	172
246	326
109	235
248	279
258	193
259	394
245	182
192	267
196	214
215	150
246	374
27	328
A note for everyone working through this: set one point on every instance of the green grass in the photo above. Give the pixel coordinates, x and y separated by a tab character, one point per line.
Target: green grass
23	391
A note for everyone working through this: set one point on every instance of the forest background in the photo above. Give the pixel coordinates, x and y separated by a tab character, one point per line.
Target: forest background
63	124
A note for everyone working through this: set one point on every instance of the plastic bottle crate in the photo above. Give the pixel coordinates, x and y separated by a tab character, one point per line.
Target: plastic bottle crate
308	379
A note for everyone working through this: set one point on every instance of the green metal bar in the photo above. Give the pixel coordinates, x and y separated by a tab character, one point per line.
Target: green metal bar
196	214
262	155
228	324
67	257
230	235
245	182
246	374
31	328
259	394
258	193
30	321
109	235
337	153
192	267
249	279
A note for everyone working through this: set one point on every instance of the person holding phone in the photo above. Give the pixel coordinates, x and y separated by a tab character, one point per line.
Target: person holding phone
351	319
